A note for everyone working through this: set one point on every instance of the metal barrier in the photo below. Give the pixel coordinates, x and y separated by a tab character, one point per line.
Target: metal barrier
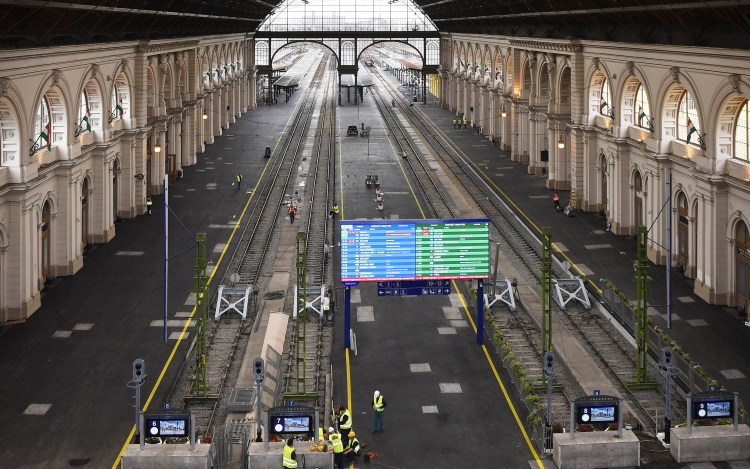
688	380
271	392
222	445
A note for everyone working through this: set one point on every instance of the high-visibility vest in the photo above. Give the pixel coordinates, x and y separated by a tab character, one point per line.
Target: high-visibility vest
338	447
336	209
320	433
239	177
464	121
148	202
288	461
454	121
348	424
292	209
555	198
354	445
379	403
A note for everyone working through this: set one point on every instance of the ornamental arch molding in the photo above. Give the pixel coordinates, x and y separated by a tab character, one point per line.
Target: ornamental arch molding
725	114
12	140
668	102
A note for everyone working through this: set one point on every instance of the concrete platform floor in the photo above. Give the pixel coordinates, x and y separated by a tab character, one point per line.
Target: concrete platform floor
722	348
105	311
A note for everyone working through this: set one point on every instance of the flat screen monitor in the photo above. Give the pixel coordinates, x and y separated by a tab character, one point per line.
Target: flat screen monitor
300	424
592	413
164	427
713	408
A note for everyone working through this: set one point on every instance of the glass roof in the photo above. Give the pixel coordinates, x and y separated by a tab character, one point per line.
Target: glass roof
347	15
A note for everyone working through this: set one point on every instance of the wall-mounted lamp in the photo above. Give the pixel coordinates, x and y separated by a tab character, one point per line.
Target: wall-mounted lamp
503	113
561	144
157	148
205	116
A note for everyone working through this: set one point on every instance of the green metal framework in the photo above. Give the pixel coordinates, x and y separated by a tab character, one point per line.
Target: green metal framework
301	326
546	290
641	309
200	388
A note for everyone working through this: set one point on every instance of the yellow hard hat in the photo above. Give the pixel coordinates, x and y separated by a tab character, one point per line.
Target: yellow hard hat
313	447
351	434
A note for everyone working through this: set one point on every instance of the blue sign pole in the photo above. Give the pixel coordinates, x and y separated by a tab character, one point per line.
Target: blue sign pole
480	312
347	309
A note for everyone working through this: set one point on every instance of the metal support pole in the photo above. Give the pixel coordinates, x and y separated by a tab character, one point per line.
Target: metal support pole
641	310
495	273
619	419
201	386
347	308
547	271
166	252
192	432
141	431
572	420
736	417
690	413
480	312
258	384
669	254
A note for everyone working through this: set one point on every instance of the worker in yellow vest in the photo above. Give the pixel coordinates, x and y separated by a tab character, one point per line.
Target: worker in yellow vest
353	448
464	124
338	447
345	424
289	455
454	124
378	405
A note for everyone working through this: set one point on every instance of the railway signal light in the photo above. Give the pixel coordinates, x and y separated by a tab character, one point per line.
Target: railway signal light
667	356
259	369
139	371
549	363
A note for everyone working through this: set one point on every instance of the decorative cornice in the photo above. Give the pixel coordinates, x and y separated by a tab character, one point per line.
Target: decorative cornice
168	46
551	46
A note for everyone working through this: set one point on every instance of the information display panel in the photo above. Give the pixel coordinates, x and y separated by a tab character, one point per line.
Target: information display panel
414	249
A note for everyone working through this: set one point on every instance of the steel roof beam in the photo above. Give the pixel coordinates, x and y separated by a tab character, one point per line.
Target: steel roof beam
594	11
76	6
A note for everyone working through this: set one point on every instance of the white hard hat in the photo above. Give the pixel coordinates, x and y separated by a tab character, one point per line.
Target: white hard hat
377	393
330	429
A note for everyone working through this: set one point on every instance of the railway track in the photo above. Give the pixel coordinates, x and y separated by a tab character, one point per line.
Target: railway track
319	195
614	357
253	261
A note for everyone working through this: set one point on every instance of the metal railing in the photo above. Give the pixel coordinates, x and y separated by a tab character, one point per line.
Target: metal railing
688	379
271	392
225	439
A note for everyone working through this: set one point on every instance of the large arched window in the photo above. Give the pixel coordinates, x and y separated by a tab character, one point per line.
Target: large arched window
84	115
42	136
605	99
641	110
742	133
687	119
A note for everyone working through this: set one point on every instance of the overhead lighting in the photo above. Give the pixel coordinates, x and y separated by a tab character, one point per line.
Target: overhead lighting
503	113
205	116
157	148
561	144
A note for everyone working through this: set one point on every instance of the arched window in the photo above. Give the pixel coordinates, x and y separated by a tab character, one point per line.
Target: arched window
687	119
42	138
641	109
605	99
742	133
84	115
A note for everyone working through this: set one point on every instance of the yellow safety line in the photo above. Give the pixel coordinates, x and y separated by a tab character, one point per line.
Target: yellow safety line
500	382
508	198
187	323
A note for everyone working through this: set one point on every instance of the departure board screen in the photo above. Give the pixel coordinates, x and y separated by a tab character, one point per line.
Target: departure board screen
414	249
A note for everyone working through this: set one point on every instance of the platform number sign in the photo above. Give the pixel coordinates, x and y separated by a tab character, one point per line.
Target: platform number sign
167	405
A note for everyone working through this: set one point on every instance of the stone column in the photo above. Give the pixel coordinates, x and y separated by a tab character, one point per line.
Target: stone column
218	112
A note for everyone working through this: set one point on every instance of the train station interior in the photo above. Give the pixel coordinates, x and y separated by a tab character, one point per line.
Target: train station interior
563	187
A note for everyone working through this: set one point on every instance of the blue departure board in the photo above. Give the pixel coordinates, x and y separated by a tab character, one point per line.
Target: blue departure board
414	249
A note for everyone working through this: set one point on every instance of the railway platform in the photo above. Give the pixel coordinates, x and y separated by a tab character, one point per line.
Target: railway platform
64	372
713	335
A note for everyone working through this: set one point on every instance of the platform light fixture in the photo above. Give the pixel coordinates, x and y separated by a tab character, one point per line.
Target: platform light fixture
503	113
561	144
205	116
157	147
